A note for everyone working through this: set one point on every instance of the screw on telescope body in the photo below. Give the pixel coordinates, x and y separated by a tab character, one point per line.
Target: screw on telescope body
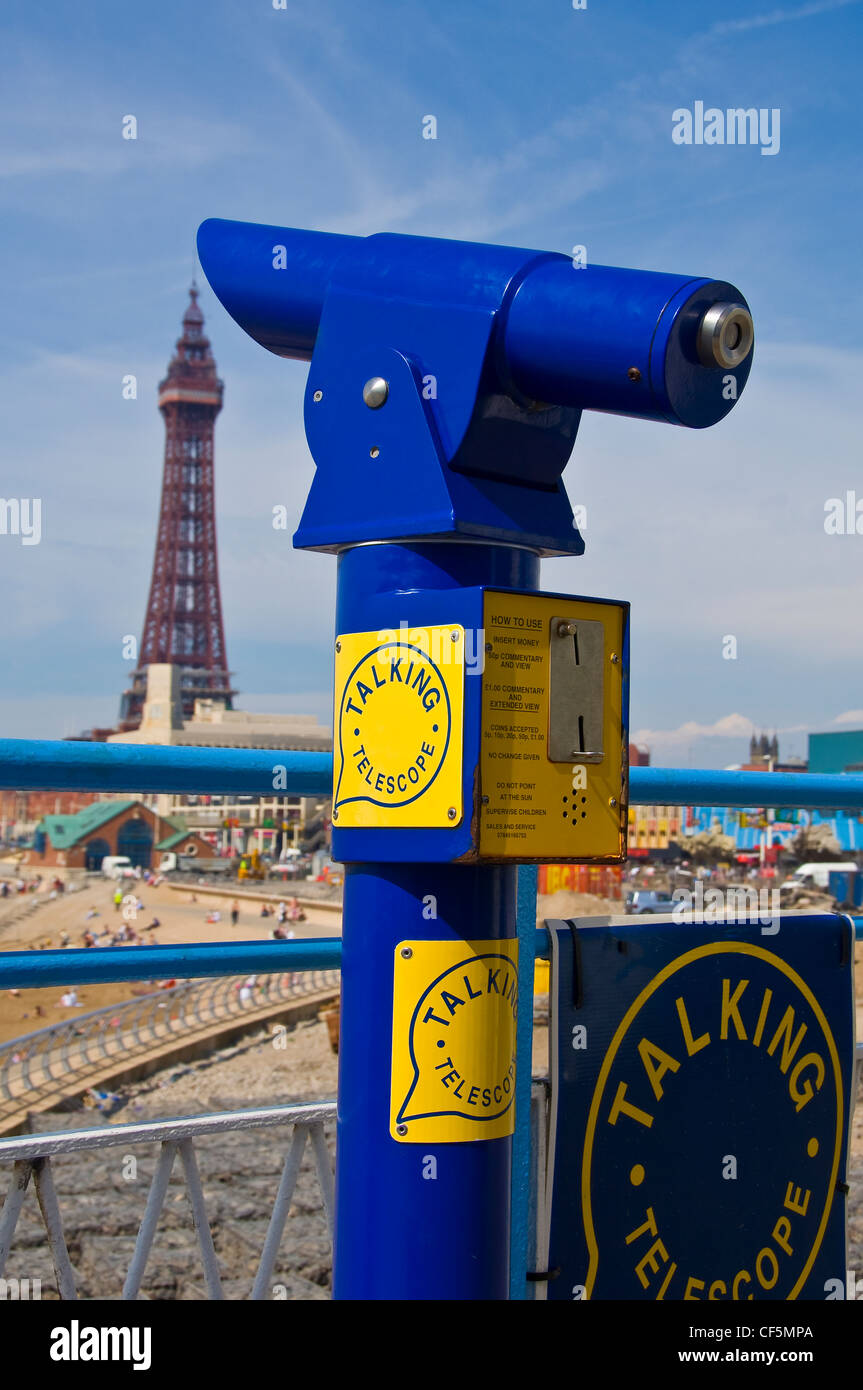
725	335
375	392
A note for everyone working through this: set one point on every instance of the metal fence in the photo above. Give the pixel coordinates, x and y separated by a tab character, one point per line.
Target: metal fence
32	1156
43	1062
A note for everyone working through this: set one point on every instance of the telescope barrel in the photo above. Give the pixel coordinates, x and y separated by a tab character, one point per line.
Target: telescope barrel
623	341
628	342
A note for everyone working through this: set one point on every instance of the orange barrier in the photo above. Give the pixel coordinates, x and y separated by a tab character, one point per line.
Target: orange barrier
604	880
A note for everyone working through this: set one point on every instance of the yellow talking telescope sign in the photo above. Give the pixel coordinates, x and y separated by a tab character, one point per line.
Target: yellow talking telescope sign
455	1005
398	734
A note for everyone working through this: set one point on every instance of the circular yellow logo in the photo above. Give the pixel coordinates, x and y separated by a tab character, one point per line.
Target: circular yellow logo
716	1122
393	728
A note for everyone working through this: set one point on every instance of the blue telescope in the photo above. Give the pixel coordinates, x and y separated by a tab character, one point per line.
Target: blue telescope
446	384
488	353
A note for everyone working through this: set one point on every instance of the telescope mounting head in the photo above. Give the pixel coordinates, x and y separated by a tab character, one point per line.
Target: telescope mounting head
447	379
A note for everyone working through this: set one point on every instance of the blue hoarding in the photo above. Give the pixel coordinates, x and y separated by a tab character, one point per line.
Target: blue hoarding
701	1086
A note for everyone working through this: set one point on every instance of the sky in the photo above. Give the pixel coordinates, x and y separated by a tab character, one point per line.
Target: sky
554	129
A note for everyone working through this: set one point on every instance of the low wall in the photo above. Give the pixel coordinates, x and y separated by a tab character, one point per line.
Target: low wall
259	895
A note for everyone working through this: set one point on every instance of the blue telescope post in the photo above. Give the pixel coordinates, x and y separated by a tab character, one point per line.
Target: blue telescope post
445	390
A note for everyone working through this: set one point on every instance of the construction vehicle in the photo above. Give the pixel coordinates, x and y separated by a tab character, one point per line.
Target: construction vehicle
252	866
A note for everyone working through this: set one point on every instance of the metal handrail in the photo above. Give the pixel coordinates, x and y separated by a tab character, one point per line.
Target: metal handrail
32	1146
31	1157
48	764
682	786
212	960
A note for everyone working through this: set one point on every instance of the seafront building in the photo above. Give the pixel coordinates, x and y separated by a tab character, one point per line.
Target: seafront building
122	826
270	824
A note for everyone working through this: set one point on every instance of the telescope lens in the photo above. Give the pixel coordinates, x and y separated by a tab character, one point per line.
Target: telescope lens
725	335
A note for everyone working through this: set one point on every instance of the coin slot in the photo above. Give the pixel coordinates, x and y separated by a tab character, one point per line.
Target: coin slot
576	684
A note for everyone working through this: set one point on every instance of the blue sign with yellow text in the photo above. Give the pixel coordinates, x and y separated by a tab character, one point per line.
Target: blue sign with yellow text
701	1092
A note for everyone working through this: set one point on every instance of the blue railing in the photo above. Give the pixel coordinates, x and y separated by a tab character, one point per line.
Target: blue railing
51	765
107	965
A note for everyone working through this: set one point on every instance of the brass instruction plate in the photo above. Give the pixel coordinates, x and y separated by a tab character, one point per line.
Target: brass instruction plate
553	757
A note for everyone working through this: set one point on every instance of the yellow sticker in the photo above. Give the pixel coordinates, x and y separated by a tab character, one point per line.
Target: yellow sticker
398	728
455	1005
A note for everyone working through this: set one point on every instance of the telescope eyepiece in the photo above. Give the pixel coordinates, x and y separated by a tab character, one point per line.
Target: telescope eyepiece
725	335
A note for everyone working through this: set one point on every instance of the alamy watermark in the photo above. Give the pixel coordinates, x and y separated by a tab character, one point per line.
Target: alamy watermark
736	125
843	516
437	644
77	1343
17	1290
21	516
733	906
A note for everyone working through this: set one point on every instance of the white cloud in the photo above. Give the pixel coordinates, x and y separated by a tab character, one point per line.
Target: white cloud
729	726
763	21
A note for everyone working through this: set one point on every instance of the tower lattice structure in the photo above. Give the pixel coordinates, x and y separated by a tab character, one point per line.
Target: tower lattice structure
183	624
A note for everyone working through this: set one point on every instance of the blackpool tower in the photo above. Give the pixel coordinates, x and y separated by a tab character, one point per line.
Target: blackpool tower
183	624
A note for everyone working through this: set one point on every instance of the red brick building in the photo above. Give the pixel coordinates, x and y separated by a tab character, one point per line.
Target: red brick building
83	840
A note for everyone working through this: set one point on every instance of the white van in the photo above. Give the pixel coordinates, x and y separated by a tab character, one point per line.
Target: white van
116	866
819	873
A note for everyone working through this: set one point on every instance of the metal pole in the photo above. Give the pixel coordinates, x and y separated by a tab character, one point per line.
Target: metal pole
398	1234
